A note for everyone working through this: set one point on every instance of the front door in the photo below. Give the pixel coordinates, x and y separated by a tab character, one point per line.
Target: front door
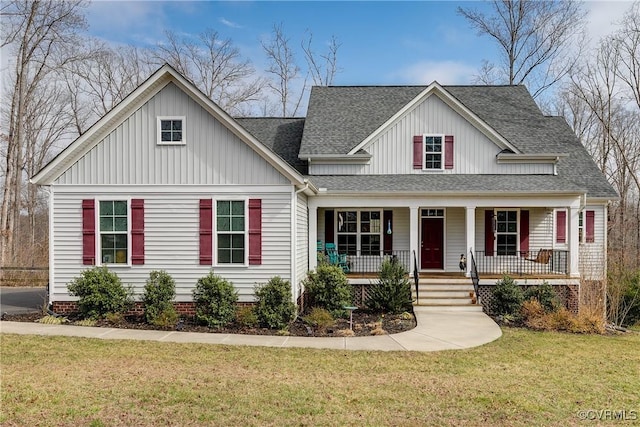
431	252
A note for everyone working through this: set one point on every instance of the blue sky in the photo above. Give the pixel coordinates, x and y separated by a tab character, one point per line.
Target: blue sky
382	42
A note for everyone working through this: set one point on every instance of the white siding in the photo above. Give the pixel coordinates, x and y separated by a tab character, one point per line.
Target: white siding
212	154
455	240
592	255
172	238
540	228
302	238
392	151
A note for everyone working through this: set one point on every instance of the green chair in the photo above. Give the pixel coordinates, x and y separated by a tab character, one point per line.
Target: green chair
335	258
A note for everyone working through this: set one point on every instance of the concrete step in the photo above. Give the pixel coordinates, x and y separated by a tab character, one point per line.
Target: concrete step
444	287
445	293
444	280
436	308
427	300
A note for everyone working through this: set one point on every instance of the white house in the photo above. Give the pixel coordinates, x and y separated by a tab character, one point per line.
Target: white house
423	174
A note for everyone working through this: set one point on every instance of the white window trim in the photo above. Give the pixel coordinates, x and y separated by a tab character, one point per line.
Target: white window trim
159	140
98	233
358	233
424	152
495	232
215	262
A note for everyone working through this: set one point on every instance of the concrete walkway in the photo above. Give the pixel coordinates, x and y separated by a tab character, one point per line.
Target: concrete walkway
444	330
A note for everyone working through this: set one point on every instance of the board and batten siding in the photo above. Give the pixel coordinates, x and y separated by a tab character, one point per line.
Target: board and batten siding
212	153
172	238
392	151
302	239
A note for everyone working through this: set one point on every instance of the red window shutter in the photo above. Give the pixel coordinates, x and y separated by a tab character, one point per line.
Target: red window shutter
488	233
417	152
524	231
387	240
561	226
137	231
206	233
448	152
329	216
88	232
255	231
590	222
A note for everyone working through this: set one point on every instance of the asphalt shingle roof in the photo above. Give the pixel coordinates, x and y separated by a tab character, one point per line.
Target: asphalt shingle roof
340	117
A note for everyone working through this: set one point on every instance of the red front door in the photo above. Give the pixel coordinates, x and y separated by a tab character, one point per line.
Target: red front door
431	252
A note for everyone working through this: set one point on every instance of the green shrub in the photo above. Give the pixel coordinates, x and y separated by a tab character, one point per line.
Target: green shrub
159	293
328	288
274	308
100	292
545	295
215	300
319	318
507	297
392	291
246	316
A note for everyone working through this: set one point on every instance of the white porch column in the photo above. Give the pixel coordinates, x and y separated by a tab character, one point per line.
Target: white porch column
470	232
574	243
414	234
313	235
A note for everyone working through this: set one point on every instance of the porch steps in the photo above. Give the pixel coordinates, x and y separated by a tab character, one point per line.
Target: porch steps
445	294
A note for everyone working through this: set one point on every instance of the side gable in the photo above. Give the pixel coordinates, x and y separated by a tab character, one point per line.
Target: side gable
116	119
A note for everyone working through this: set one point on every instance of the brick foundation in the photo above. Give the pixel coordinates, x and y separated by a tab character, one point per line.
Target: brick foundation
187	309
569	296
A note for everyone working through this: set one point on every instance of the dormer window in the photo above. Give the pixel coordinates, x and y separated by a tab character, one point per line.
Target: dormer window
433	151
171	130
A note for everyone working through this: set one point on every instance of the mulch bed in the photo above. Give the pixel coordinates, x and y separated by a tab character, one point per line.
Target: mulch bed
363	324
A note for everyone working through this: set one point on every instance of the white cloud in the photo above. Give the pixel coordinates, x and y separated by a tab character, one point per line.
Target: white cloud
229	24
603	16
444	72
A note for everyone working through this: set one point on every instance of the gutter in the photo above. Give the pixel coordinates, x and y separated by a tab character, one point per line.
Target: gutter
294	236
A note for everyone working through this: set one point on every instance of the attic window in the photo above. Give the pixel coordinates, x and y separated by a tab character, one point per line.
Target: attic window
171	130
433	147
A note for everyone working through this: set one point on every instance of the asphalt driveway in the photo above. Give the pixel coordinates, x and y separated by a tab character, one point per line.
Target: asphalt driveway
21	300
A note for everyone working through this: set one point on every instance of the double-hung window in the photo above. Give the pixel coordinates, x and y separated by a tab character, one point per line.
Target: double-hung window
359	232
114	241
433	151
506	232
231	231
171	130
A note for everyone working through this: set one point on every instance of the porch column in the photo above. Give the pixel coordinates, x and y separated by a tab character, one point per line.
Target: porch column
414	234
574	243
470	231
313	236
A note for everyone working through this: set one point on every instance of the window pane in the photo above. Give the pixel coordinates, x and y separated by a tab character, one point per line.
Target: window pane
108	241
224	223
106	208
512	215
237	240
106	224
347	244
237	256
165	124
223	208
237	208
121	224
224	241
121	241
108	256
177	136
512	227
121	256
120	208
237	224
177	124
224	256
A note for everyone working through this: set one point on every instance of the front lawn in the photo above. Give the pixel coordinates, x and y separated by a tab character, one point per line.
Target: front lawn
524	378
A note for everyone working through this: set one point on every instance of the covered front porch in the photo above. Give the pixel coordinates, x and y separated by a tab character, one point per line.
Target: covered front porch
516	236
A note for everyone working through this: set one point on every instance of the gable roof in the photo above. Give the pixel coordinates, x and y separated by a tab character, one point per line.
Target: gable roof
154	84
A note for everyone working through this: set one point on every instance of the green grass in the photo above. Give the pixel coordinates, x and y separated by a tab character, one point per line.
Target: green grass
524	378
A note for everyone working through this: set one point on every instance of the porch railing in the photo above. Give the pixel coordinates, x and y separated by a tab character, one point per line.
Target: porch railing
533	262
416	277
367	263
475	279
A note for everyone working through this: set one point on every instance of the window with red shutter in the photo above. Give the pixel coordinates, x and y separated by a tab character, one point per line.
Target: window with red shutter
418	142
137	231
590	221
255	231
206	231
448	152
88	232
561	226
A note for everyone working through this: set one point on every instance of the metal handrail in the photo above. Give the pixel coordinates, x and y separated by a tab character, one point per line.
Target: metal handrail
416	276
474	276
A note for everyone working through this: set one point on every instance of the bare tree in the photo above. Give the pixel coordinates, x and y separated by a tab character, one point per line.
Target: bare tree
37	33
284	70
215	66
323	68
535	38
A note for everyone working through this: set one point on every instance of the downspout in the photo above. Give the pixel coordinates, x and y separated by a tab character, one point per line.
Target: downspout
49	191
294	237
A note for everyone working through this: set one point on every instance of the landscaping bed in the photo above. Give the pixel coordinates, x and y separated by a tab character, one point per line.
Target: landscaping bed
364	324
